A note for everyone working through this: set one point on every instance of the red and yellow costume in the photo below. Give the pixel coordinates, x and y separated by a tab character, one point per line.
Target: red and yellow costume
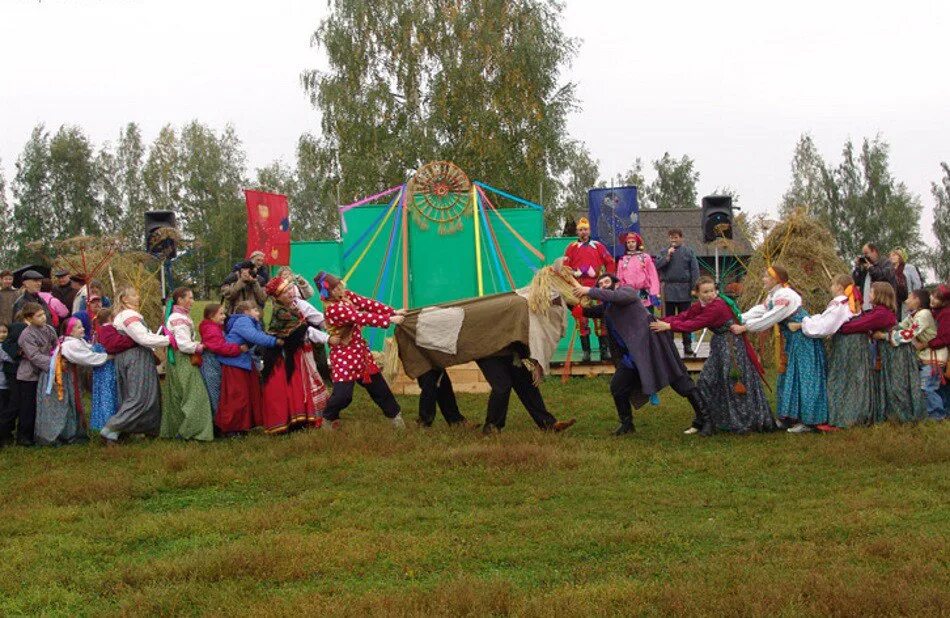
589	259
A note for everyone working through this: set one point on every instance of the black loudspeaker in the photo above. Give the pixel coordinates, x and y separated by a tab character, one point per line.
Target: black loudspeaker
161	234
717	217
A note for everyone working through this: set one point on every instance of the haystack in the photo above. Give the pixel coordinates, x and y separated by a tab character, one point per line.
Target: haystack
806	248
104	259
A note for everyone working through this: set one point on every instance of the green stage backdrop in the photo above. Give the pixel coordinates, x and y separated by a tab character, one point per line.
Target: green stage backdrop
441	266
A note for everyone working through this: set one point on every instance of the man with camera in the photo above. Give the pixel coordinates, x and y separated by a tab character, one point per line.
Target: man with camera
870	267
246	286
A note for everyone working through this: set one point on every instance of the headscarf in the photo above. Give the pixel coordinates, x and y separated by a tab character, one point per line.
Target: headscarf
626	236
276	286
326	283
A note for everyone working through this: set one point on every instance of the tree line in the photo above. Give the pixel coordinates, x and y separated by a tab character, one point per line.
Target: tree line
479	83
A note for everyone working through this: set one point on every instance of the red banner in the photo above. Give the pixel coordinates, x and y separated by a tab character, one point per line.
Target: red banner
268	226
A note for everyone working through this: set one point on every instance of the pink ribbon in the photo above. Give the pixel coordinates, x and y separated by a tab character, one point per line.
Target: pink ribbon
365	200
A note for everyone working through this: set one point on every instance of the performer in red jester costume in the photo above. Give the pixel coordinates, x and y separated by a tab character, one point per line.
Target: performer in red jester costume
590	259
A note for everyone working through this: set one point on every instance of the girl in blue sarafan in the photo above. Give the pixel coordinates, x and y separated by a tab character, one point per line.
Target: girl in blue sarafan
802	399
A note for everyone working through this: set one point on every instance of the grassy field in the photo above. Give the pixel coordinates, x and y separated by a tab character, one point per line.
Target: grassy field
445	522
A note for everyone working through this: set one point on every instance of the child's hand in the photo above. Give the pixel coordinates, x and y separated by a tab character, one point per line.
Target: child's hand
397	319
280	343
334	340
658	326
794	326
920	345
737	329
244	348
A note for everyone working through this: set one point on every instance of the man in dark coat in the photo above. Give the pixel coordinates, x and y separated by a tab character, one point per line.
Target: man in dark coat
870	267
678	269
645	363
8	296
30	293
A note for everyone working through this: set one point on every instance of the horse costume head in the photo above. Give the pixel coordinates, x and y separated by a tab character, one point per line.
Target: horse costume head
549	284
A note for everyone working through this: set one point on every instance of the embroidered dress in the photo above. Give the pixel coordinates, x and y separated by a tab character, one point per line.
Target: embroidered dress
140	402
294	394
187	410
732	362
920	326
801	388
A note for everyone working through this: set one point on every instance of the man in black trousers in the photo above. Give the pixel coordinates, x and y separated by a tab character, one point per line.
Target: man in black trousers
645	363
436	390
505	371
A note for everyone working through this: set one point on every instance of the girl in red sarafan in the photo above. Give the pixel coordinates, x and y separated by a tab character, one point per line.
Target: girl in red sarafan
346	313
294	394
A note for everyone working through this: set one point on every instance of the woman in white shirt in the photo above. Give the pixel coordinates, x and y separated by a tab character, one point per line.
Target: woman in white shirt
140	408
801	399
187	408
853	384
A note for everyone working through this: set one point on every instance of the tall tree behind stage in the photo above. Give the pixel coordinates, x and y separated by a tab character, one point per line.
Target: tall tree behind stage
478	82
939	256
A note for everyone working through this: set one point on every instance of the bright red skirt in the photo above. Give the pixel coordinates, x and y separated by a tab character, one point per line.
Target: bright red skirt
298	401
241	404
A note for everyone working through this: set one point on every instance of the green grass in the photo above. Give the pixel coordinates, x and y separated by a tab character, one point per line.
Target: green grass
444	522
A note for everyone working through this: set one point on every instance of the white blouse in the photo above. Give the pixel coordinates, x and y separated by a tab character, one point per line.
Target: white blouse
314	318
181	326
780	304
132	323
79	352
828	321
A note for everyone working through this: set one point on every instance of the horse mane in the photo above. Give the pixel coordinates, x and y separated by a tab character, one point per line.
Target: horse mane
549	283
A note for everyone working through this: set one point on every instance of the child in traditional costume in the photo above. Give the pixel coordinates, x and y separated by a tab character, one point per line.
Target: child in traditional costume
916	331
215	348
59	409
187	410
36	342
350	358
140	404
105	386
636	269
852	381
241	404
901	397
940	307
294	393
731	382
802	398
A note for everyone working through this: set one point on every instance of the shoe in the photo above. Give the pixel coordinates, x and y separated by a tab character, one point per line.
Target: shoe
25	443
702	420
624	428
421	424
397	421
560	426
489	429
826	428
691	431
604	349
800	428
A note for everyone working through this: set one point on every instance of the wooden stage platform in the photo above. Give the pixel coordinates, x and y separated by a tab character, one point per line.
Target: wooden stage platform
468	378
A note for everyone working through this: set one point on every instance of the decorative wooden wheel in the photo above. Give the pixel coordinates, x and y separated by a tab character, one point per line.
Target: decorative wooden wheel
440	193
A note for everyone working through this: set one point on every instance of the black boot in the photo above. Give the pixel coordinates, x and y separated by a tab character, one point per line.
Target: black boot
625	427
702	420
585	346
688	348
604	348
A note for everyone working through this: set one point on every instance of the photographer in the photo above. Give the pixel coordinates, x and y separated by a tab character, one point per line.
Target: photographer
870	267
245	287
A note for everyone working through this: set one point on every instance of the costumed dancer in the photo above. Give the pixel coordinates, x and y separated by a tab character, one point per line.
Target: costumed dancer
241	403
36	342
140	402
294	394
350	359
589	259
215	348
436	390
852	380
59	408
645	362
731	382
636	269
940	307
919	328
105	386
802	398
187	410
901	397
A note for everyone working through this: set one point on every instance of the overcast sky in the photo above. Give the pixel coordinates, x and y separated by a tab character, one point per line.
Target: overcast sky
732	84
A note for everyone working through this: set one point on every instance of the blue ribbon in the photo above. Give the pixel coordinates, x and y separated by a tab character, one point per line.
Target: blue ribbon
515	198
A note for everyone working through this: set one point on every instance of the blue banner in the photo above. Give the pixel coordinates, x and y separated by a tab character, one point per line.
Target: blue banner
613	211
